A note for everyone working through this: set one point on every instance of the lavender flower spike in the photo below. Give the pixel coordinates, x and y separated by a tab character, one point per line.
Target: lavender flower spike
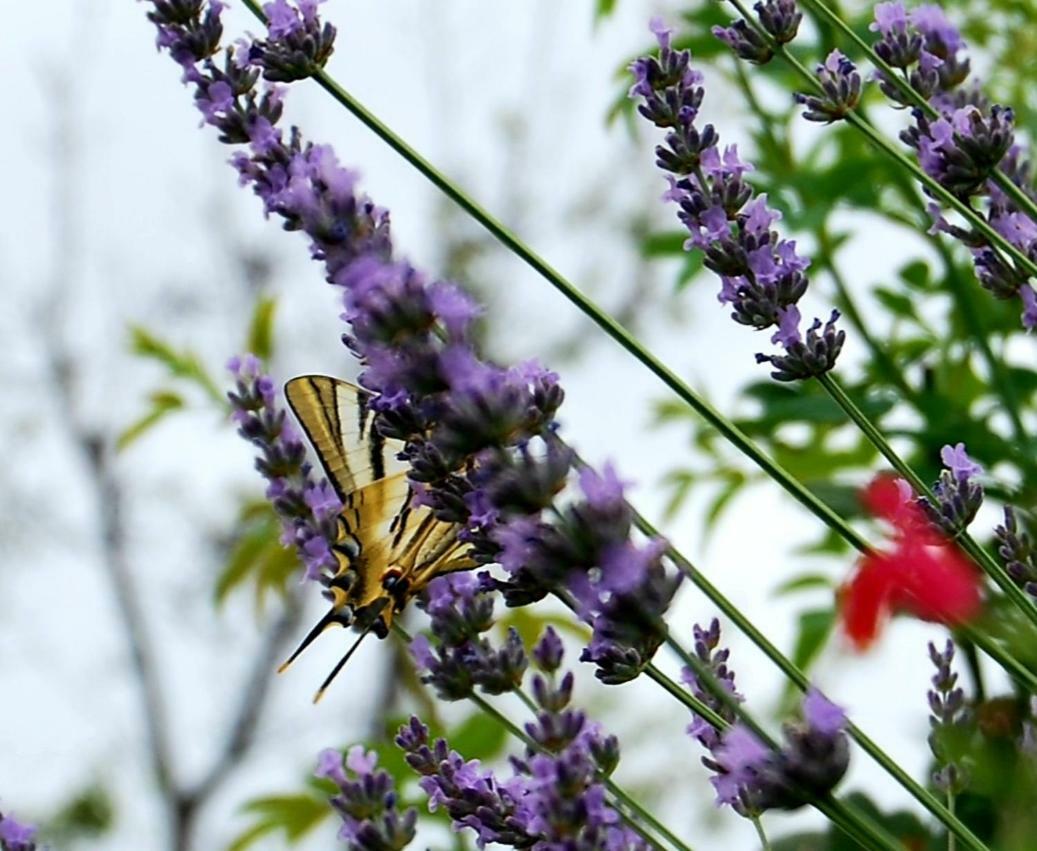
308	509
947	705
16	836
749	776
367	802
958	494
1015	546
762	275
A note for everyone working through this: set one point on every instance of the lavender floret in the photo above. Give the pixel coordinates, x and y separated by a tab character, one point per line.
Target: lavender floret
842	90
367	802
297	46
958	494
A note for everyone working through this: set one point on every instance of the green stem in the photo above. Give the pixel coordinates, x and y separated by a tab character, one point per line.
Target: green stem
999	177
988	564
1013	666
765	845
604	320
952	843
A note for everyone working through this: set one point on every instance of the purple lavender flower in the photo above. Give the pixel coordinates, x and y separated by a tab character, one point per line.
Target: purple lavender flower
963	145
308	509
748	775
366	801
762	276
462	658
297	46
958	494
556	797
947	705
16	836
1015	546
841	85
779	20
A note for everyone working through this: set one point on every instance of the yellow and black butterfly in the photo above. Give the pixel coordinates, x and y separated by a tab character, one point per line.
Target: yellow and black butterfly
387	549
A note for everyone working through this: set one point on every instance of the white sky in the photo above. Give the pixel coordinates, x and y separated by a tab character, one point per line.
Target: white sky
158	208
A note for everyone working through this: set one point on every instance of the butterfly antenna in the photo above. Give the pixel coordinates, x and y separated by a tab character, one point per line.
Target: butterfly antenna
311	636
342	662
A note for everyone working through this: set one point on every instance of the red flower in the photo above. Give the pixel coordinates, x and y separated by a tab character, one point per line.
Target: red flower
924	575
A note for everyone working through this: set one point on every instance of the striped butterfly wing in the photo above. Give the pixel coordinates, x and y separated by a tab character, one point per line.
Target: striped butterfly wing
394	539
390	548
338	422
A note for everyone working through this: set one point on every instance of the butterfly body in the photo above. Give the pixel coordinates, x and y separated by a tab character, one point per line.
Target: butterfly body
387	549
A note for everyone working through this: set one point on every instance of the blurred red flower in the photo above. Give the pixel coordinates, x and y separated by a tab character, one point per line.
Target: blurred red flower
923	574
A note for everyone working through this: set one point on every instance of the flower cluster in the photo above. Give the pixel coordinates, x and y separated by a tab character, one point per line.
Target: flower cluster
480	438
460	612
948	714
958	494
779	19
366	801
556	797
298	44
16	836
963	144
747	774
923	574
762	276
840	90
1015	546
309	509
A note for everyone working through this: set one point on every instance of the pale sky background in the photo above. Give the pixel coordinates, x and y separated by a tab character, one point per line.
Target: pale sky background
510	99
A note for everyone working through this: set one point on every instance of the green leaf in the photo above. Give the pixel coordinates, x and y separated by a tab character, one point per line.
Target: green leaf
163	403
663	243
803	582
896	303
257	555
261	329
813	627
291	815
478	737
185	365
604	8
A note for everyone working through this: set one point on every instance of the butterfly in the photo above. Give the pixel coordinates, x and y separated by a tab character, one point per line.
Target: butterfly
387	549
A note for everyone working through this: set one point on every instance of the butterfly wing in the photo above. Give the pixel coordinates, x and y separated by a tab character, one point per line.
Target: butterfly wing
382	536
338	422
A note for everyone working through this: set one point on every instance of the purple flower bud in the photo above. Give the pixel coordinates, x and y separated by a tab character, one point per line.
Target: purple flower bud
841	85
549	651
